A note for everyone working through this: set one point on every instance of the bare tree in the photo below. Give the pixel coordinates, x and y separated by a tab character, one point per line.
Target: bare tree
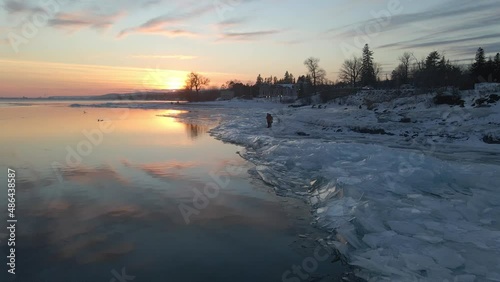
377	68
196	81
404	68
351	70
317	74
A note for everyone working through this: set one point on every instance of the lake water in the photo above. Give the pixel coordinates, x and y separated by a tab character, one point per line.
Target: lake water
99	199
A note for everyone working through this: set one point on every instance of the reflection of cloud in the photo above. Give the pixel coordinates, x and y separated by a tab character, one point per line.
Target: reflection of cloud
90	175
107	254
166	171
77	230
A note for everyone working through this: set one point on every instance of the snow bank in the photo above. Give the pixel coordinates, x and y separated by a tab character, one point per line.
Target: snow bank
420	205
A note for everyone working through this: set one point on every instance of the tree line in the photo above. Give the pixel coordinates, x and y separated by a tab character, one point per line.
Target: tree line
433	71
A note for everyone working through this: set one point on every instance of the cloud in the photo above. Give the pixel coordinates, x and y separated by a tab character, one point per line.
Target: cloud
417	44
246	36
163	25
16	7
178	57
230	23
471	14
83	19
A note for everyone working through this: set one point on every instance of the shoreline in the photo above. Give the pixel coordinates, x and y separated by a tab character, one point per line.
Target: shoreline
409	205
343	203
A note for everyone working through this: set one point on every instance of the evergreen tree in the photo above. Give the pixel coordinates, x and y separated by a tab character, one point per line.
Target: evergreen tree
287	79
478	68
305	86
259	80
496	72
433	60
367	69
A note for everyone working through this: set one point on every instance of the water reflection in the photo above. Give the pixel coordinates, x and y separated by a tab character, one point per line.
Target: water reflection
119	206
194	130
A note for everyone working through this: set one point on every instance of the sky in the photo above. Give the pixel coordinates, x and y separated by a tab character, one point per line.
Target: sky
87	47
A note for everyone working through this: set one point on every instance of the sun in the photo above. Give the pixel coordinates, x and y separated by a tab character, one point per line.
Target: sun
174	83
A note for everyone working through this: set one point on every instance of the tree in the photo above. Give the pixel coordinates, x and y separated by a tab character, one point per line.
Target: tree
431	75
196	81
432	60
287	79
316	73
304	85
489	70
436	71
351	70
496	62
377	68
367	70
478	68
259	80
404	67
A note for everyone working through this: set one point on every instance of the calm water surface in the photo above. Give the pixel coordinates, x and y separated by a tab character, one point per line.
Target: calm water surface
98	197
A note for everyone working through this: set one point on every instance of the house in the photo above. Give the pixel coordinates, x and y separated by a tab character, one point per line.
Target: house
279	92
226	94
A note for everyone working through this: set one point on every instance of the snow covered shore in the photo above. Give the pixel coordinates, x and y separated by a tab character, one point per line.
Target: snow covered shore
408	190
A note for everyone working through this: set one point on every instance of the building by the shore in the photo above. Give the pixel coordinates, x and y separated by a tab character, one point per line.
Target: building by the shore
279	92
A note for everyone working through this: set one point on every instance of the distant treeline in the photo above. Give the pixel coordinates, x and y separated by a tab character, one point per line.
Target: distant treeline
433	71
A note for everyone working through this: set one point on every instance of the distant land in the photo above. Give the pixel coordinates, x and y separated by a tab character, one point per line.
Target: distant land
166	95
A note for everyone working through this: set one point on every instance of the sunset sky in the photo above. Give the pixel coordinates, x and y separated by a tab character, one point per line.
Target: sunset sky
96	47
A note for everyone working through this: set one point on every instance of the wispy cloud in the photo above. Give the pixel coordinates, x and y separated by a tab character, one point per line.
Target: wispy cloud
247	36
84	19
230	23
164	25
16	7
439	42
177	57
473	15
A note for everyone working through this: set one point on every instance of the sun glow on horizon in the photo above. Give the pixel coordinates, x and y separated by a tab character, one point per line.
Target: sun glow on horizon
174	83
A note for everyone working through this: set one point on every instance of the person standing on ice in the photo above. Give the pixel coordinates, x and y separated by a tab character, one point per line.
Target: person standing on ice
269	119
